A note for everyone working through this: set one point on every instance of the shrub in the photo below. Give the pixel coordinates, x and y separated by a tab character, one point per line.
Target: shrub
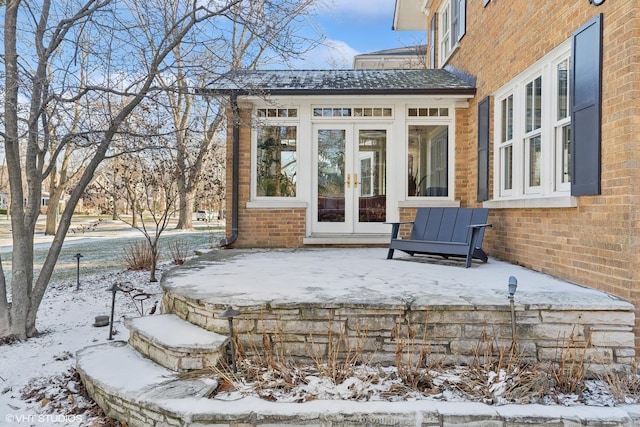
179	250
138	256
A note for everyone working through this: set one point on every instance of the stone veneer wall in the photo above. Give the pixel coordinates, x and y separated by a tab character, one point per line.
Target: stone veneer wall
460	333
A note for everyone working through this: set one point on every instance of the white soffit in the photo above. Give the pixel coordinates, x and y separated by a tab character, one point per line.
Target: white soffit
409	15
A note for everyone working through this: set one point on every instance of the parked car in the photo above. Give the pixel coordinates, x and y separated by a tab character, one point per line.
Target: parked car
203	216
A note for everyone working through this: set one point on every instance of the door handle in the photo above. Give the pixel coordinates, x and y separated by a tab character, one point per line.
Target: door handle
348	180
355	180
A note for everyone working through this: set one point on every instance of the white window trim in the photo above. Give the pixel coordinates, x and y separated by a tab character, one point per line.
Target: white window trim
548	192
416	201
256	201
445	12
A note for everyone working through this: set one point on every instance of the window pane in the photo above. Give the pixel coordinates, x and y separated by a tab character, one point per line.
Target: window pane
507	119
566	153
427	161
563	89
276	161
534	161
534	104
507	171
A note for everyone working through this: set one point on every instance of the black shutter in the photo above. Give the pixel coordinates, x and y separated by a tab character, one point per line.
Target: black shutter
432	43
483	150
586	105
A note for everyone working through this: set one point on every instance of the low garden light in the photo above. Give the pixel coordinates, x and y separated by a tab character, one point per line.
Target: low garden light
113	289
229	314
77	257
513	285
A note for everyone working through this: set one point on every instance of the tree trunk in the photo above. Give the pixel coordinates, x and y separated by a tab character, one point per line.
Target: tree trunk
52	211
134	218
154	261
4	305
185	210
21	279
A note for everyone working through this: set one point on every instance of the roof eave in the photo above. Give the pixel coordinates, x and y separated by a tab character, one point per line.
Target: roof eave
318	92
405	17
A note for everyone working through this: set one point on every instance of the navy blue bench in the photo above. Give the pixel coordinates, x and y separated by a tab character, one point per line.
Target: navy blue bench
447	232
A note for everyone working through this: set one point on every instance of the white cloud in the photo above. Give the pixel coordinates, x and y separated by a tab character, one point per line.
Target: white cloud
332	54
363	8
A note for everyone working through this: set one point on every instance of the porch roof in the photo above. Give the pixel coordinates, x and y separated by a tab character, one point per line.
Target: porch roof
340	82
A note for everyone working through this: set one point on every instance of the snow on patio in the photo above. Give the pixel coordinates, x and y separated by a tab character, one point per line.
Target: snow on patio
254	276
246	277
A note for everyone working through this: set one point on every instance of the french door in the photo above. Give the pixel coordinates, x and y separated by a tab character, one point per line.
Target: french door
350	178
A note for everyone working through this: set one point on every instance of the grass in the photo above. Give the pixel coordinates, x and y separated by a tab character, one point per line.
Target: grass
104	254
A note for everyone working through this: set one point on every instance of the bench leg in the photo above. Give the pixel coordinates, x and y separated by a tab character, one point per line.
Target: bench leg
390	253
395	229
480	254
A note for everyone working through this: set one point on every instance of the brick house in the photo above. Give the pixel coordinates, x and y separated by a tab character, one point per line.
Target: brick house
531	109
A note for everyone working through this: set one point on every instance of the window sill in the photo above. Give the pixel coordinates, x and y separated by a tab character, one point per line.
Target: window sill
435	202
533	202
276	204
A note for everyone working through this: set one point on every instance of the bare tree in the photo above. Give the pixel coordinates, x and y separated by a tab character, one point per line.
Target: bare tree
261	33
133	41
73	158
156	199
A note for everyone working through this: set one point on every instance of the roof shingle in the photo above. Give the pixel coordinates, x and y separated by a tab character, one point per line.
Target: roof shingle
340	82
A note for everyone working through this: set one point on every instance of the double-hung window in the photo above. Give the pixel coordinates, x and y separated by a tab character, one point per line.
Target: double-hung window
533	135
533	124
451	27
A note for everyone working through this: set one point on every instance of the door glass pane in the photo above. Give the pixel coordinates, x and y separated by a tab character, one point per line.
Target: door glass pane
372	180
331	173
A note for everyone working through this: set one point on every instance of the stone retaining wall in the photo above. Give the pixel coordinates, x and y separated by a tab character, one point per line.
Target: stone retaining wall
451	334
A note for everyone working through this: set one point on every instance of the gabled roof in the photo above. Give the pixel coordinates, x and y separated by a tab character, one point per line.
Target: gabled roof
340	82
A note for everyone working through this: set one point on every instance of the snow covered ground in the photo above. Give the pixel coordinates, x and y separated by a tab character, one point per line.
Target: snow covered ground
66	319
37	384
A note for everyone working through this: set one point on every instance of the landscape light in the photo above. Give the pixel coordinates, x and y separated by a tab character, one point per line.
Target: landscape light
77	257
513	285
229	314
113	289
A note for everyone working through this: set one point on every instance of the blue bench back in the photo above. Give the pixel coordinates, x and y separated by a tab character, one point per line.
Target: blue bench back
447	224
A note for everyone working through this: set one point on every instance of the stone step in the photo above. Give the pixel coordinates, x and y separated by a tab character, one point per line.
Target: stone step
130	387
175	343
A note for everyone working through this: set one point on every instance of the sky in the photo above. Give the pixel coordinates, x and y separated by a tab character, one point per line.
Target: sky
352	27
